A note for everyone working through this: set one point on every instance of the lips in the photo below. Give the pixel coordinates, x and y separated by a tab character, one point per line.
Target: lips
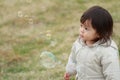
81	36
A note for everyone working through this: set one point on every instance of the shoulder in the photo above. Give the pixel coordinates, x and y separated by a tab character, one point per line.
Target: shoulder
111	50
76	45
113	45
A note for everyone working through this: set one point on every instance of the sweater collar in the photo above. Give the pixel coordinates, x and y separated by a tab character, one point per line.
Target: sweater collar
106	44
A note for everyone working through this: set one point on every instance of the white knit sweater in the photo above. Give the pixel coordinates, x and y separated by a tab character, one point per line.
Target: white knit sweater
96	62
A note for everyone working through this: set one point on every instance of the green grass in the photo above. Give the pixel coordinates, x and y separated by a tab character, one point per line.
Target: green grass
43	25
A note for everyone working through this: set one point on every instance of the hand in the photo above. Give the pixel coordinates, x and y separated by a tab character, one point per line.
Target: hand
67	76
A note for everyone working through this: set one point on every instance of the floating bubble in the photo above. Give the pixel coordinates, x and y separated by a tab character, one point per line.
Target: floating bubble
48	34
20	14
48	59
53	43
26	16
30	21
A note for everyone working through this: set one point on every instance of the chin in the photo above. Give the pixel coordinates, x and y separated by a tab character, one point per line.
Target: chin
81	37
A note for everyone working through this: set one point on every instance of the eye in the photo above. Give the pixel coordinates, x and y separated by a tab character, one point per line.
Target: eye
86	28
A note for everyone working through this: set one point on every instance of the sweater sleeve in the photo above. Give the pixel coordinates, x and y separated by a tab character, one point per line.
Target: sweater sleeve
110	64
71	65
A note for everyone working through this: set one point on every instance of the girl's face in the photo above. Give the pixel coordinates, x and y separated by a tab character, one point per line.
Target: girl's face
88	33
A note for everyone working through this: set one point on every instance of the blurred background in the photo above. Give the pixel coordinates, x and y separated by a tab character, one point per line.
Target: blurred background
36	36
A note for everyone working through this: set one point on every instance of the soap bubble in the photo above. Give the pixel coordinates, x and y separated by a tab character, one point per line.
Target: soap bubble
30	21
53	43
48	59
26	16
48	34
20	14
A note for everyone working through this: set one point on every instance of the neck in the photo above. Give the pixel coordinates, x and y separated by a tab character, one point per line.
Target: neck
89	43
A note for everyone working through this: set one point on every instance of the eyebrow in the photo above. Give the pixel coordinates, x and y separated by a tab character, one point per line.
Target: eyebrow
87	22
84	25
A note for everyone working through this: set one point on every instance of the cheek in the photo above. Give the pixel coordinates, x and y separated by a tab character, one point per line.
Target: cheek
80	31
89	34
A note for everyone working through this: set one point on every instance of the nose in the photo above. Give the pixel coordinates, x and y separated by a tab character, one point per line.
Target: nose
81	30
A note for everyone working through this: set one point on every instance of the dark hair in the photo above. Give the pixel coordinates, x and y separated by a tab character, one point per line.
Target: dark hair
101	21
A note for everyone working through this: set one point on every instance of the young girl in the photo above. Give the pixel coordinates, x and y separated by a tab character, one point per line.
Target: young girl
94	54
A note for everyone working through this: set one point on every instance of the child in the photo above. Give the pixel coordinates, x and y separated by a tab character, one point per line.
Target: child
94	54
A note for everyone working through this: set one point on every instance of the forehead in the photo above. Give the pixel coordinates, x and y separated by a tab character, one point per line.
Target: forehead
87	23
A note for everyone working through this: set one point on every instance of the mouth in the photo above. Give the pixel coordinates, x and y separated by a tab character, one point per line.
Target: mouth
81	35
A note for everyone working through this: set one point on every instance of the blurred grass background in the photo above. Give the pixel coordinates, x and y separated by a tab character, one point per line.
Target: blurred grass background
29	27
